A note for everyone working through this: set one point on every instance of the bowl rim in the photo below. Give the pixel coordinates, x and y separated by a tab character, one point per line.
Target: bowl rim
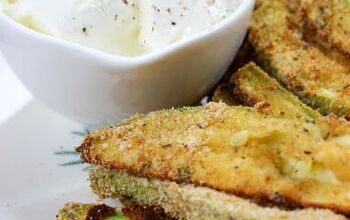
245	6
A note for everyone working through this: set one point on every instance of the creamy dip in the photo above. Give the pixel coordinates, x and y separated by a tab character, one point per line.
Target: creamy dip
123	27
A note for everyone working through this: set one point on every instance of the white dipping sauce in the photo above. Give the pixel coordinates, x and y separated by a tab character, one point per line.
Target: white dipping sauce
123	27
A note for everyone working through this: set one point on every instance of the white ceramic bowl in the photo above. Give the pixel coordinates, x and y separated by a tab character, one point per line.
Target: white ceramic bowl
94	87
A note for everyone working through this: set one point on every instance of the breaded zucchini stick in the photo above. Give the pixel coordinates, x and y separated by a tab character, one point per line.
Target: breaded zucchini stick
237	150
253	86
185	201
317	79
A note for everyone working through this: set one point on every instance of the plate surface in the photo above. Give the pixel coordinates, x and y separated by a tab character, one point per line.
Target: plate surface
39	170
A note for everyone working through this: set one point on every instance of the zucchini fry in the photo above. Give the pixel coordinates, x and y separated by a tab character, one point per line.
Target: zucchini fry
237	150
184	201
317	79
253	86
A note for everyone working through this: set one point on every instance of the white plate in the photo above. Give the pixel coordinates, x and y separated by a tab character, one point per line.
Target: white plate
39	170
